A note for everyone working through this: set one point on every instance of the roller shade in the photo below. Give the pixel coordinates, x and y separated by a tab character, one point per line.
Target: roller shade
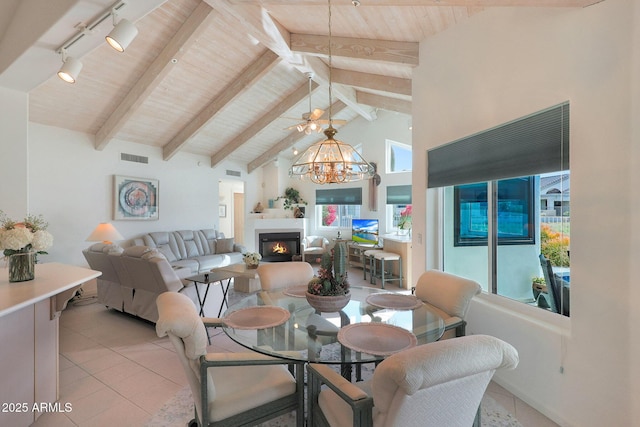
339	196
532	145
399	195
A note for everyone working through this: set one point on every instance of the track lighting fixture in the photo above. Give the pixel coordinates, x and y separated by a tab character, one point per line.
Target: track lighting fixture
119	38
70	69
122	34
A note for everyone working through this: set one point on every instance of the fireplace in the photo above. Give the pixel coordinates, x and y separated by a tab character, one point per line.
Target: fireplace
278	247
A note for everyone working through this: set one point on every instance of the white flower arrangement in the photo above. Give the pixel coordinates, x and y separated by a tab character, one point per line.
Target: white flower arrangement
251	258
23	237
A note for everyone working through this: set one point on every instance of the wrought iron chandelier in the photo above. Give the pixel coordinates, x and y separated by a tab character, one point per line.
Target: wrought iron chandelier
331	161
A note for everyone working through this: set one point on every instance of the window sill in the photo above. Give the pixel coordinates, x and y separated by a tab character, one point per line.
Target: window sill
554	321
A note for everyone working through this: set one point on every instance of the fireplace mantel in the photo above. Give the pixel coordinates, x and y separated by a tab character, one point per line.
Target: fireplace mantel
255	226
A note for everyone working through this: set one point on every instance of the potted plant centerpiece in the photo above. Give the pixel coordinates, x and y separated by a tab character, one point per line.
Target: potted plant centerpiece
329	290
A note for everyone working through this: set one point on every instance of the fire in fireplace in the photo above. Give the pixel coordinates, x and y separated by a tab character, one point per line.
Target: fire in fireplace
276	247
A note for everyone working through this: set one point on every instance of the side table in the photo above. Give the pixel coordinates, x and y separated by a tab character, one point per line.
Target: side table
244	279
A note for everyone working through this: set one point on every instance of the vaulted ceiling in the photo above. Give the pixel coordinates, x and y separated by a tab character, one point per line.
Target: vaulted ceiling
223	78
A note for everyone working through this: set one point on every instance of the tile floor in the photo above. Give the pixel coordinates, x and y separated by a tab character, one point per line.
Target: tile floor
115	371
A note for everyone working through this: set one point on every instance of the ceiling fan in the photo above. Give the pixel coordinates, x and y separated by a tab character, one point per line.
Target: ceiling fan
311	120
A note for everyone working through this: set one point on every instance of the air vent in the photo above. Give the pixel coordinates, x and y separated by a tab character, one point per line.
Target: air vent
133	158
233	173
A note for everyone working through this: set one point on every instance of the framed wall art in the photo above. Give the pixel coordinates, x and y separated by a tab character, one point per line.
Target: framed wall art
135	198
222	211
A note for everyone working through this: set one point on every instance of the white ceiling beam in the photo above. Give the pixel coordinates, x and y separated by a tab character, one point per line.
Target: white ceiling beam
274	113
389	84
288	141
246	78
396	52
384	102
440	3
188	33
257	22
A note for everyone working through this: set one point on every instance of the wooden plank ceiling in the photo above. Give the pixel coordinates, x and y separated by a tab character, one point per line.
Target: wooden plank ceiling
224	78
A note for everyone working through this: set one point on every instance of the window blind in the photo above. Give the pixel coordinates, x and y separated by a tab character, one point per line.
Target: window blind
399	195
531	145
339	196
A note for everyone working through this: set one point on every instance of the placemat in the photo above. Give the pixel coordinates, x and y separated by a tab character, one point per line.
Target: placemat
378	339
394	301
260	317
296	291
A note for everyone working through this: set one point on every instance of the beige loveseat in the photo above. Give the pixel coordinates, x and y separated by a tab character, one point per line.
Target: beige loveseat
198	251
133	277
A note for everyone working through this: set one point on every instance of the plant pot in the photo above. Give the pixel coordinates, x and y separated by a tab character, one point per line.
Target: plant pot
252	266
328	304
22	267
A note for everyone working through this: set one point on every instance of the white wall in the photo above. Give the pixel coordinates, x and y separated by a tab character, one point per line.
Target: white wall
14	149
372	135
507	63
71	184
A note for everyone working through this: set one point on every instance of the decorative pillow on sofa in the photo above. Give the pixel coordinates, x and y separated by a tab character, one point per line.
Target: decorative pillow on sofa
224	246
153	253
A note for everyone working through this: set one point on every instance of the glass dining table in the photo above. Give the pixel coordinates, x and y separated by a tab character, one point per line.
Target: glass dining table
374	324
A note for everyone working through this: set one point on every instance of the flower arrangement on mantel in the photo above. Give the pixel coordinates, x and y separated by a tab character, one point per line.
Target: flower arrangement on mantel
291	198
23	237
251	259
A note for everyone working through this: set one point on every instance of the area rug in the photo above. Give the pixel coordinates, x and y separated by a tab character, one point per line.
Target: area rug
178	411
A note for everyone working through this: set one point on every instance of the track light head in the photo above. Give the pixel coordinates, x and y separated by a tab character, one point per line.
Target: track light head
122	35
70	69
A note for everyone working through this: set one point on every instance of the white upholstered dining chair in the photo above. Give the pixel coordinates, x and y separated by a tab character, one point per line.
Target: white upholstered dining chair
449	296
230	389
437	384
281	275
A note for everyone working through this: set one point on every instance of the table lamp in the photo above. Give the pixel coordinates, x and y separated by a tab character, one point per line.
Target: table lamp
105	233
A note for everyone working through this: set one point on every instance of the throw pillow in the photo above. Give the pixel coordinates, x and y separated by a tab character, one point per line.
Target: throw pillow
224	246
317	243
153	253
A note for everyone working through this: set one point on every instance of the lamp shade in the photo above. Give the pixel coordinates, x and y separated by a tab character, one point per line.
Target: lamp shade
70	70
122	35
106	233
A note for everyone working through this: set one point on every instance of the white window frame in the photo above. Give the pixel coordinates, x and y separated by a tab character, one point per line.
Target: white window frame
388	145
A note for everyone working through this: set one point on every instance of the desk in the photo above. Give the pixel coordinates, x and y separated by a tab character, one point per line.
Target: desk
29	314
292	339
208	279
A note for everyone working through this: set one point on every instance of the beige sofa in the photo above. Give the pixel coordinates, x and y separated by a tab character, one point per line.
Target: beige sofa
132	278
198	251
